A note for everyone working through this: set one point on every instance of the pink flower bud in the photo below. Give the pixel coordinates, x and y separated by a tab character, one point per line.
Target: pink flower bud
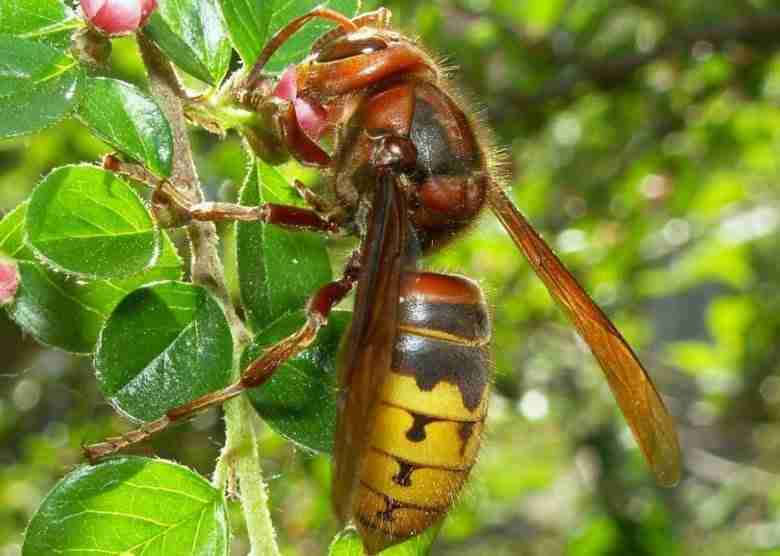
311	117
118	17
9	281
287	88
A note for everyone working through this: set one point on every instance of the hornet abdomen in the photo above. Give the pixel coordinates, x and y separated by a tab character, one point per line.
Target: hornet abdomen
431	412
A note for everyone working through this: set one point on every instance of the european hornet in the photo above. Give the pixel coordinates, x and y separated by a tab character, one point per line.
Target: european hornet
409	169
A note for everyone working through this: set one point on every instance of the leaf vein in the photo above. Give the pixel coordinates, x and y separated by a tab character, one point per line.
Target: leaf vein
168	490
68	296
12	232
119	514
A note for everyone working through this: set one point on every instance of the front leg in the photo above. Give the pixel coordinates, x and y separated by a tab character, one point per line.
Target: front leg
172	211
286	216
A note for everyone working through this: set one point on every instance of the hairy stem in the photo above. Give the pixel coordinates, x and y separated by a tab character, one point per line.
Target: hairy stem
241	423
241	450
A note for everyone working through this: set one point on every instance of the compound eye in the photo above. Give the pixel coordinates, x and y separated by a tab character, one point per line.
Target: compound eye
349	46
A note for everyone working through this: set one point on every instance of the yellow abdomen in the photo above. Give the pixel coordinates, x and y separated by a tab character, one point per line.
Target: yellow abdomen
431	412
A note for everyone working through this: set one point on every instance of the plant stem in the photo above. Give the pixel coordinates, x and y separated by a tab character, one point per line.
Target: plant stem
242	449
241	423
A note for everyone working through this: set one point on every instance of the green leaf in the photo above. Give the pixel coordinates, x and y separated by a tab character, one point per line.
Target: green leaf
348	543
252	24
48	21
128	120
38	85
12	235
299	401
130	506
68	313
57	309
164	345
278	269
247	24
193	35
86	221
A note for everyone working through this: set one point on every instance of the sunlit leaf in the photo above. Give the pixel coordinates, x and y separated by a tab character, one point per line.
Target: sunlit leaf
128	120
63	311
130	506
252	24
12	235
38	85
193	35
84	220
49	21
163	345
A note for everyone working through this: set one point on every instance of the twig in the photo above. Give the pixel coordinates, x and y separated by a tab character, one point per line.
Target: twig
207	270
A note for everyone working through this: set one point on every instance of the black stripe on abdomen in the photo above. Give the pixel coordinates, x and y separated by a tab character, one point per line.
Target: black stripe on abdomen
431	360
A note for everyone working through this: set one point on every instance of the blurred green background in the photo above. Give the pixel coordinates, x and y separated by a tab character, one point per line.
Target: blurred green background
643	137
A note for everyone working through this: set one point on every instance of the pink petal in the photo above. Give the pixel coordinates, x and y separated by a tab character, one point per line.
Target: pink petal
147	8
118	16
9	281
91	7
287	88
311	117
